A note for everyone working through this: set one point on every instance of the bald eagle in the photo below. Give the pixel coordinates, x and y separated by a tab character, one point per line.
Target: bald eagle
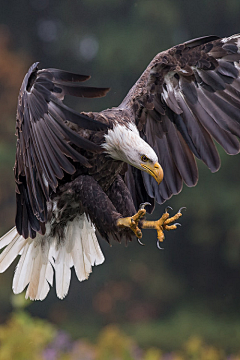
78	174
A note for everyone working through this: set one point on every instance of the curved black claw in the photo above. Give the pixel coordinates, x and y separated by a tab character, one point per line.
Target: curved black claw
142	206
182	208
158	245
139	241
168	207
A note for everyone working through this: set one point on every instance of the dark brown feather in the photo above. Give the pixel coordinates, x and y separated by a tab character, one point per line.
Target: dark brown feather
193	89
44	140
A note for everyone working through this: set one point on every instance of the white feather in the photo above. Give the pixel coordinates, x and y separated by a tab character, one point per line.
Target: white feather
36	266
42	271
63	272
81	250
226	39
80	258
125	144
46	278
93	249
12	250
23	270
34	269
46	274
86	251
32	288
8	237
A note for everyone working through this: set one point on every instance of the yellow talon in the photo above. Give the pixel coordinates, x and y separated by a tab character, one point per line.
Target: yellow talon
162	224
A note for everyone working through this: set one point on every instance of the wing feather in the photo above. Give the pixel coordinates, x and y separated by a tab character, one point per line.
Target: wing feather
44	146
188	96
182	155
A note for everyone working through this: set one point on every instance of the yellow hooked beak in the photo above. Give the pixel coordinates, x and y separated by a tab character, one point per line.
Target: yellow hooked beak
155	170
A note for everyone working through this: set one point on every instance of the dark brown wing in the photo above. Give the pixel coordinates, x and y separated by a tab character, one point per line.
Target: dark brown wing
43	144
188	96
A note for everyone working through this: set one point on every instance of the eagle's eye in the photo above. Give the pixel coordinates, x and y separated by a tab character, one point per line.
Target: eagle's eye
144	158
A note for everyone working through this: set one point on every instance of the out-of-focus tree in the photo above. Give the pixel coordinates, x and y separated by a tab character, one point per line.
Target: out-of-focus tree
12	69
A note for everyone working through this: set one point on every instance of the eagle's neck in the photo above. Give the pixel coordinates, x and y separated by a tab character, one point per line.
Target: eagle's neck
121	140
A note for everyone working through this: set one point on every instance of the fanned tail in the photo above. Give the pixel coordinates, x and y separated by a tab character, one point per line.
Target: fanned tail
44	254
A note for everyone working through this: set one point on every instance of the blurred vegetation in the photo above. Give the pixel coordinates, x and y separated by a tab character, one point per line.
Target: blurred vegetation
180	303
23	338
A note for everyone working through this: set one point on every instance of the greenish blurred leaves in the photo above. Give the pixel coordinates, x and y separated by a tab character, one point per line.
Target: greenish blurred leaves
25	338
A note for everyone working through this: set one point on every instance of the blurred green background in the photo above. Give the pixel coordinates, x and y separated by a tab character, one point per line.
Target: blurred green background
142	303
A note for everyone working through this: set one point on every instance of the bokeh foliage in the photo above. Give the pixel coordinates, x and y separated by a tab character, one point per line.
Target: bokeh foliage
192	287
25	338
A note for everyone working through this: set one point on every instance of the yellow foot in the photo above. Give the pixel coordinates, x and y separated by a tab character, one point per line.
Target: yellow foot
132	221
163	223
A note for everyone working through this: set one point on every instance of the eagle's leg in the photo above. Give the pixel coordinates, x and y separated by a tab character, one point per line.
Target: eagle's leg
132	222
122	200
162	224
94	202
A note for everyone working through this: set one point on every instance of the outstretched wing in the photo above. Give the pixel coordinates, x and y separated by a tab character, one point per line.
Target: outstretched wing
43	141
187	96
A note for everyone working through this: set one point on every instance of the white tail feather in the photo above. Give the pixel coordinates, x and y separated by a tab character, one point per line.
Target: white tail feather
8	237
23	270
10	253
80	255
63	272
40	256
46	275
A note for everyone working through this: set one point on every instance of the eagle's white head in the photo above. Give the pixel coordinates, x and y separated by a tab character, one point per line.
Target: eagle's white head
125	144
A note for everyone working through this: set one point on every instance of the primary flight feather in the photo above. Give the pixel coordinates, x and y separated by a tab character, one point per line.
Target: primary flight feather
81	173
